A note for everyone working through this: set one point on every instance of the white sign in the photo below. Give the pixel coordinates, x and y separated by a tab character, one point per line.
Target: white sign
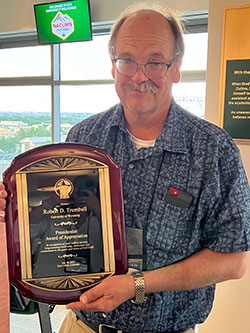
62	25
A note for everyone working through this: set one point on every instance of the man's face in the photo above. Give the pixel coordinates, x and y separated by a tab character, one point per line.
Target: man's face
145	37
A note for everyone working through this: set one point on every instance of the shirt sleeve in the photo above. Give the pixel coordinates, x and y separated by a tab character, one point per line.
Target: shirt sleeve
73	135
226	225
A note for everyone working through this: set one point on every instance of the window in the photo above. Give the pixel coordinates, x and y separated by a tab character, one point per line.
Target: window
191	96
45	90
25	120
86	60
195	58
25	104
25	62
86	81
191	91
81	101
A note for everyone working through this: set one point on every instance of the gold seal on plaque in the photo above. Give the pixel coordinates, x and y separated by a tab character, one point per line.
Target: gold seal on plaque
63	188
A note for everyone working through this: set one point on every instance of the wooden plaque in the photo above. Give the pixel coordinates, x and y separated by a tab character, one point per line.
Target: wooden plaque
64	220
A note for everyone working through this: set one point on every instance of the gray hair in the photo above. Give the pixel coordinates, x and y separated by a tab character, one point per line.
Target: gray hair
171	16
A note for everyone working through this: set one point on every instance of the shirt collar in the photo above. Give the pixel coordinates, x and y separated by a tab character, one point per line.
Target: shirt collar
118	118
172	137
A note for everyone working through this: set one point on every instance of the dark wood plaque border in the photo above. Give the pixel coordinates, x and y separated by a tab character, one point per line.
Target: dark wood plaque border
12	229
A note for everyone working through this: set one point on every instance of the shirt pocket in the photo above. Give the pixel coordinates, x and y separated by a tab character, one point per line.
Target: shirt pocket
169	231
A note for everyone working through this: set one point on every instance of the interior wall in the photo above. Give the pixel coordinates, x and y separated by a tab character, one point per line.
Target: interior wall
230	313
18	14
214	64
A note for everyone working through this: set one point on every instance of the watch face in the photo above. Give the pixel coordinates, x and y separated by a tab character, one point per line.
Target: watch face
137	274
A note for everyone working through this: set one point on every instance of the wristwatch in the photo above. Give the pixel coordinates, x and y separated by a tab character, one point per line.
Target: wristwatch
139	288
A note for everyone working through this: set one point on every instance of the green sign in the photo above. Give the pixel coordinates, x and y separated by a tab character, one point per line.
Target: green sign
64	21
237	99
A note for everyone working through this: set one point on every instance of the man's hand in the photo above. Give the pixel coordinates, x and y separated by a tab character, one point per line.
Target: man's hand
3	195
107	295
213	267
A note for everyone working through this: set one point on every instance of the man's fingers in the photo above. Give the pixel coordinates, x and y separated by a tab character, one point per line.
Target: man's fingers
2	206
3	193
106	296
96	306
87	298
75	306
84	299
92	294
2	219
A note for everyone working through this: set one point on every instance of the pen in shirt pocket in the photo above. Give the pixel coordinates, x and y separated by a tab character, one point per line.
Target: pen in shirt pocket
177	197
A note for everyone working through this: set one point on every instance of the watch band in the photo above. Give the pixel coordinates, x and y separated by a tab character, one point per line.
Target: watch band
139	288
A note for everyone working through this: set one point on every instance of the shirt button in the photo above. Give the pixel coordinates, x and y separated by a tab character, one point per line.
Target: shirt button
131	165
125	202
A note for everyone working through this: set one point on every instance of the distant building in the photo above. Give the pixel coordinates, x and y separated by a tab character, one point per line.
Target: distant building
66	127
33	142
6	132
9	128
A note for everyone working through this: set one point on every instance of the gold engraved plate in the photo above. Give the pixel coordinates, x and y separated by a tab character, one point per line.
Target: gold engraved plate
65	223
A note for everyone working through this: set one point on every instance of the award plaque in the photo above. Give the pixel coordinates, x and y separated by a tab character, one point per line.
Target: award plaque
64	221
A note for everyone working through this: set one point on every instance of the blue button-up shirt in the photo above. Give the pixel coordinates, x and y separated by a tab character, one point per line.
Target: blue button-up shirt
190	155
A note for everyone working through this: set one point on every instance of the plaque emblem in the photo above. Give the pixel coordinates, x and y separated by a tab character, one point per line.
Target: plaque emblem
63	188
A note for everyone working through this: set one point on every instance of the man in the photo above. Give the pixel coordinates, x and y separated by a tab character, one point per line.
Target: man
184	188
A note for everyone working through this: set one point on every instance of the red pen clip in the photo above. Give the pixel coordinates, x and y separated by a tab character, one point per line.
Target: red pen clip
173	191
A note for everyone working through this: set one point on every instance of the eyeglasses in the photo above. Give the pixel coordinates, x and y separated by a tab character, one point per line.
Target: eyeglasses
152	70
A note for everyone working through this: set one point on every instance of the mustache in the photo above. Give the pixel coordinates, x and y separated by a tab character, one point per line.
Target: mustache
142	87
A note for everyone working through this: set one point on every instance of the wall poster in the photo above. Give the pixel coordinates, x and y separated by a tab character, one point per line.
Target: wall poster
237	99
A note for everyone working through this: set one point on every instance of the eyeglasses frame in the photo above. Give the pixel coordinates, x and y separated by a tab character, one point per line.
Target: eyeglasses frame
168	65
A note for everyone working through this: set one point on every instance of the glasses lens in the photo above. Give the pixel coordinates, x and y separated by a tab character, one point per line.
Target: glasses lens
155	70
126	67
